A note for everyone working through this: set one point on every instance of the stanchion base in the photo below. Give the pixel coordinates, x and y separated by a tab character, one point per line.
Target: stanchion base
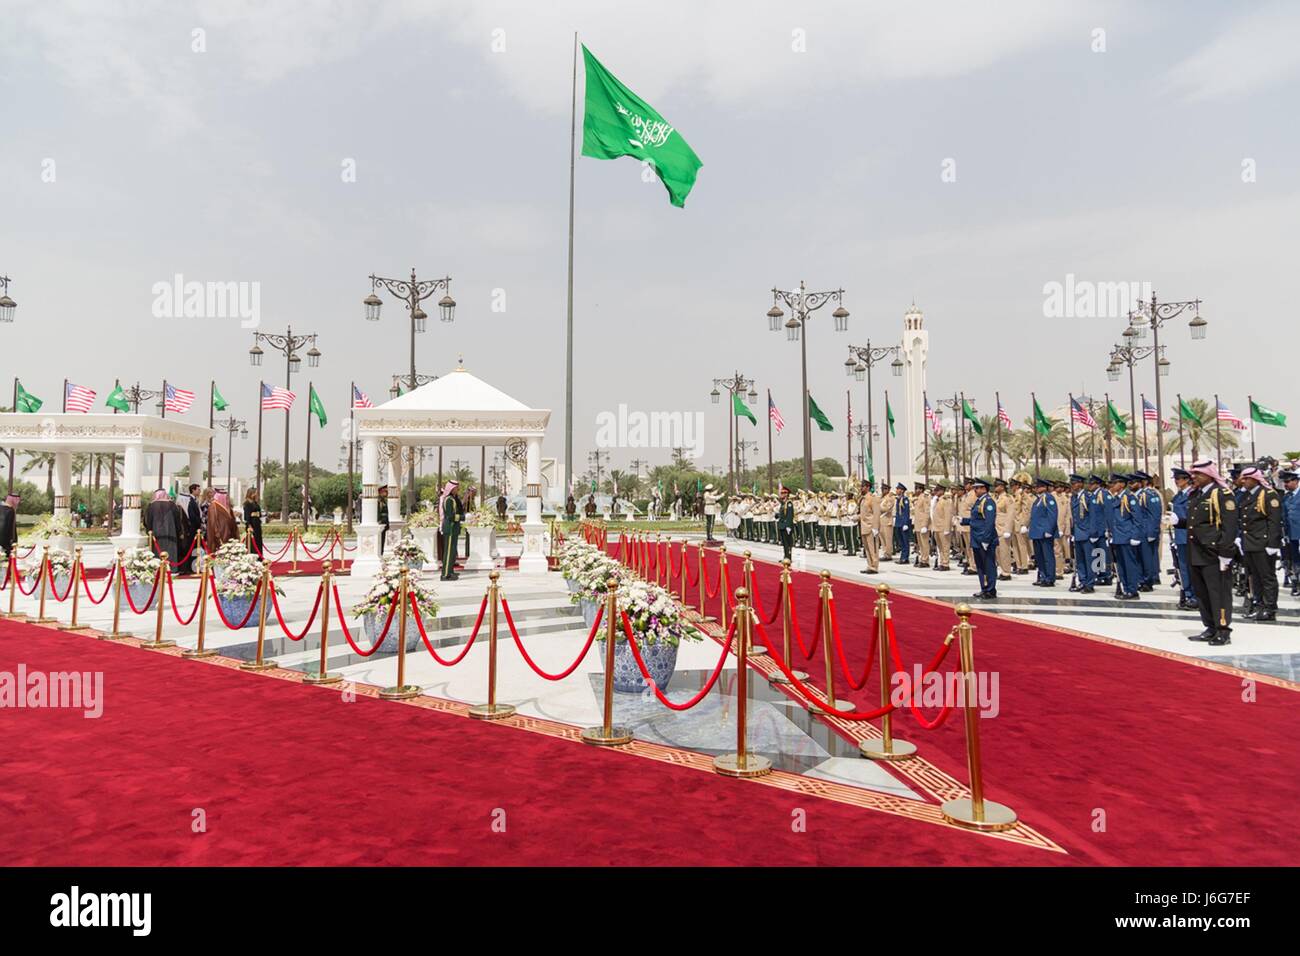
841	705
898	749
405	692
44	620
120	635
729	765
16	616
492	711
616	737
158	645
255	666
757	651
73	627
962	813
196	653
708	619
780	678
293	571
319	678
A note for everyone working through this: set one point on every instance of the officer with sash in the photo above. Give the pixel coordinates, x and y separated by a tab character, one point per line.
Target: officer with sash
785	522
453	514
1098	497
1044	520
1261	542
1211	542
902	522
1150	515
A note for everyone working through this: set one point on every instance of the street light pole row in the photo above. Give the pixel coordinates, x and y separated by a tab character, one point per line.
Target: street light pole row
859	364
287	345
735	384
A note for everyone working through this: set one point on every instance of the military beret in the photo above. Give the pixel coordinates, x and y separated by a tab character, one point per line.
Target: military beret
1078	478
1118	476
1140	476
1181	473
1288	475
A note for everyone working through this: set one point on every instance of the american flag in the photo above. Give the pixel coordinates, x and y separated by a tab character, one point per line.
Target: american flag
777	421
177	399
1003	417
1225	415
79	398
1149	413
936	426
1081	415
276	398
359	399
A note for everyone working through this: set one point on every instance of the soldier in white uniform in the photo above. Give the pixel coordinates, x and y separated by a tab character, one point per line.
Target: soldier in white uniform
712	508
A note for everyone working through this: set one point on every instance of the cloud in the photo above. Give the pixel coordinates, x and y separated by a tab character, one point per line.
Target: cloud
1256	52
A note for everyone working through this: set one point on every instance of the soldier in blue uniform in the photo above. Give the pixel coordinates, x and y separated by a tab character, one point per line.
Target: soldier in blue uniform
1183	481
1149	511
1122	522
1043	527
1082	525
982	522
1104	565
1291	525
903	523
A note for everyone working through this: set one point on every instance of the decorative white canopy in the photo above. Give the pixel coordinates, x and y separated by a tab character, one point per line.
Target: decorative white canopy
100	433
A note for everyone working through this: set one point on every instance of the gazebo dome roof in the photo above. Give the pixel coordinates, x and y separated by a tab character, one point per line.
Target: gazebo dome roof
457	391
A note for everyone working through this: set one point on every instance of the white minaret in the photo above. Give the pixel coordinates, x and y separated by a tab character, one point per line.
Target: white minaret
916	347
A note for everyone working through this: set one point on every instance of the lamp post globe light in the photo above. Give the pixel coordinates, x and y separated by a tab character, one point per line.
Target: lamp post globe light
288	345
7	305
802	304
734	384
862	358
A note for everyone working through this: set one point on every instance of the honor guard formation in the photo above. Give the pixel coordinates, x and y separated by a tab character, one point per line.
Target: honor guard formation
1226	537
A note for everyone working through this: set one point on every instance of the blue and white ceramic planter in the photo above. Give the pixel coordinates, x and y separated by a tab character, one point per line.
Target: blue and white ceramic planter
660	660
588	612
373	623
141	592
235	609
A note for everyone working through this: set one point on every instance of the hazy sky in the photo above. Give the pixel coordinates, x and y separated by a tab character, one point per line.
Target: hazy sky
1115	142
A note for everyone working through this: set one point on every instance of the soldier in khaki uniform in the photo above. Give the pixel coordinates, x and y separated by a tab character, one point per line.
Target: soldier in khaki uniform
921	523
869	524
886	527
1065	524
1020	532
964	508
1003	522
941	520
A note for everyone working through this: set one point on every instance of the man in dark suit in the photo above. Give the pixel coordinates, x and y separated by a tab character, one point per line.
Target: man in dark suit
785	522
383	516
189	503
9	524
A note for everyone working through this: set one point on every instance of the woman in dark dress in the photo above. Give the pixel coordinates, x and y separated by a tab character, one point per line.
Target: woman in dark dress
253	519
167	522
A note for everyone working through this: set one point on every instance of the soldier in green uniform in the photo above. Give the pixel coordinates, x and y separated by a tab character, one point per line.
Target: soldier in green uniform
785	522
453	514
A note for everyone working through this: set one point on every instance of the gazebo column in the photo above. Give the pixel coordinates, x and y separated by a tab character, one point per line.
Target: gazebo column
395	487
198	464
62	497
367	559
132	471
533	557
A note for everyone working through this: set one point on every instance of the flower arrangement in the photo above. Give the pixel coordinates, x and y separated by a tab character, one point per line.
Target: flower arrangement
311	536
52	526
483	517
232	550
424	518
60	564
590	569
241	575
387	584
407	552
140	565
656	618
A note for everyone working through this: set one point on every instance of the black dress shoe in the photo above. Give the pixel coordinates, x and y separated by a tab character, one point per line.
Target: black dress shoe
1004	577
1126	597
1205	635
1266	615
1219	639
1086	590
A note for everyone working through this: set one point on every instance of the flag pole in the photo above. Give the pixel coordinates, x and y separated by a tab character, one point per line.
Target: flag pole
1218	439
258	477
112	472
889	475
306	479
160	454
1250	407
65	396
1033	412
1146	446
1107	420
11	450
1182	458
997	397
848	437
925	436
1073	468
568	340
769	441
352	443
212	399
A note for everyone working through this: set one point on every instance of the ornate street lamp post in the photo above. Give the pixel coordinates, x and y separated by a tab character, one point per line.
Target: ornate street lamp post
287	345
7	305
1130	355
1153	315
802	304
231	425
735	384
859	364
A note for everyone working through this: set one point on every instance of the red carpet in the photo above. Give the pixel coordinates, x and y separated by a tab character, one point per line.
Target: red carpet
1164	754
290	774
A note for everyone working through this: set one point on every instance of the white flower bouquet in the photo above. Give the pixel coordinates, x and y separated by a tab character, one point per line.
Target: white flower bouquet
140	565
240	576
655	617
484	517
407	552
385	589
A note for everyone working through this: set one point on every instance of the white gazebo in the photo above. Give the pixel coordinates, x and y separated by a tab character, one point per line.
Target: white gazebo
454	409
65	434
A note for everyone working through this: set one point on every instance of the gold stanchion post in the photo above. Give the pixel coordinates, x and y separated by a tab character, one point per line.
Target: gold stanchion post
659	553
754	650
787	641
828	651
77	572
118	584
45	577
14	578
723	619
742	763
608	735
681	571
492	710
158	643
322	675
401	690
887	747
975	813
293	539
198	650
264	596
706	618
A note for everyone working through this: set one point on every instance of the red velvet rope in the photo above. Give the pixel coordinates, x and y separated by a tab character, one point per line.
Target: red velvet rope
686	567
343	623
315	608
274	557
338	537
933	666
708	685
253	607
674	573
54	593
171	589
126	591
794	627
176	564
704	571
35	584
324	546
107	587
844	661
514	632
807	691
419	623
30	552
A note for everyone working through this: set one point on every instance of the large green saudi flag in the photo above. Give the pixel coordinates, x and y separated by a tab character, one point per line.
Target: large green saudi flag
617	123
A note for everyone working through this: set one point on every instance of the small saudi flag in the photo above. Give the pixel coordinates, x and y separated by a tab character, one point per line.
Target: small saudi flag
968	413
817	415
617	122
1186	414
117	399
871	466
1117	420
219	403
889	417
1042	424
27	402
738	407
315	406
1265	416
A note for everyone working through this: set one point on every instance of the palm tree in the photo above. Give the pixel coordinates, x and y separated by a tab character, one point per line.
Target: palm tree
44	460
941	449
1204	432
1028	445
